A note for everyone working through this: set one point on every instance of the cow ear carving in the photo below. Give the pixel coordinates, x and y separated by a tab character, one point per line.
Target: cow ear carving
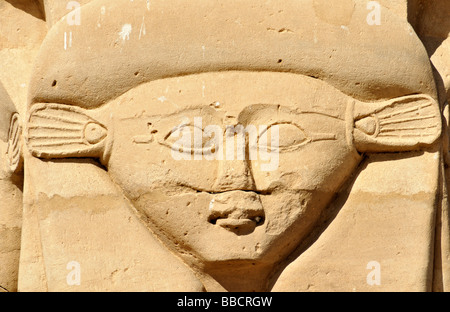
14	149
63	131
403	124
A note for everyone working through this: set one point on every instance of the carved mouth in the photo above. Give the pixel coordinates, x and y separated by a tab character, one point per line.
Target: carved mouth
239	212
239	225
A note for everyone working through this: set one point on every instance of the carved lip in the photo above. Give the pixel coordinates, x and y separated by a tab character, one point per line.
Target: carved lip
239	226
236	211
227	223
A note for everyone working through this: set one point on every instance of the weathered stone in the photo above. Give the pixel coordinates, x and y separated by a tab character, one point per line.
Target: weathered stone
230	145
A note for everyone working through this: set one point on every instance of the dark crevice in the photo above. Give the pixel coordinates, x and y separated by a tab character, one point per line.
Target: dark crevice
423	14
32	7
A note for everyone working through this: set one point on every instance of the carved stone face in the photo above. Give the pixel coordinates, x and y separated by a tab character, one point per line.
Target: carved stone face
232	166
231	209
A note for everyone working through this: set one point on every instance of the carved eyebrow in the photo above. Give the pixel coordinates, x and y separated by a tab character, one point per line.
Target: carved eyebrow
246	114
312	136
191	109
319	113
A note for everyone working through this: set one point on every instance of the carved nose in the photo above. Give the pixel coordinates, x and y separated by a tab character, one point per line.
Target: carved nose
237	211
233	172
234	175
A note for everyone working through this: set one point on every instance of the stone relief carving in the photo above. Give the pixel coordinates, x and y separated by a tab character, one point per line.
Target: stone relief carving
263	147
10	188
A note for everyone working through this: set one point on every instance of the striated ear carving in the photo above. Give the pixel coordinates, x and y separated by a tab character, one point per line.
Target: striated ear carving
63	131
14	149
403	124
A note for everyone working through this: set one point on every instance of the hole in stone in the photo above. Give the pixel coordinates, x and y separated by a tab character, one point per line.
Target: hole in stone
54	83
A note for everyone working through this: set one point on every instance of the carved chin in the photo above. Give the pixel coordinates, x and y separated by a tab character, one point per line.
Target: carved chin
247	225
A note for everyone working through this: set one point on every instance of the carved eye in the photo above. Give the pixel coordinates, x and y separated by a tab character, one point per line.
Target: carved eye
186	139
290	136
285	137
